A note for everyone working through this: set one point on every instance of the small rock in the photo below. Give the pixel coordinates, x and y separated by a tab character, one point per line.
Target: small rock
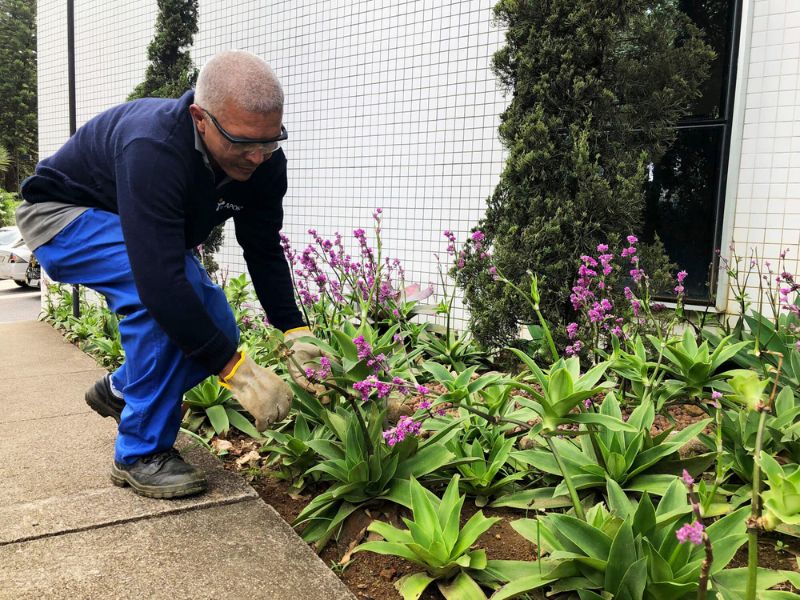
497	536
388	574
362	586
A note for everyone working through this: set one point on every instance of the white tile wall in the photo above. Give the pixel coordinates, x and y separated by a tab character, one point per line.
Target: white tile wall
766	199
389	104
393	104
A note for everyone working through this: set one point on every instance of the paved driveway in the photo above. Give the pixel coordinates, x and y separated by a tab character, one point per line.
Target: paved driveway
18	303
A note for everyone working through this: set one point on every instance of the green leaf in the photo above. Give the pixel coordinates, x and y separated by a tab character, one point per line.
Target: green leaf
219	418
536	499
426	460
644	520
620	558
472	530
611	423
241	423
593	542
389	549
463	587
618	502
522	586
348	349
537	533
449	513
424	516
412	586
633	583
440	373
390	533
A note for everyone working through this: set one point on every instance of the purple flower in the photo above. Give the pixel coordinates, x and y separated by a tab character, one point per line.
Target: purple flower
421	389
478	236
319	374
602	247
687	478
405	426
572	330
632	239
364	349
574	348
692	533
451	239
681	276
424	405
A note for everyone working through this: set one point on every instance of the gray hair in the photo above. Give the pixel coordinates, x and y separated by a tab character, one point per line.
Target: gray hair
244	78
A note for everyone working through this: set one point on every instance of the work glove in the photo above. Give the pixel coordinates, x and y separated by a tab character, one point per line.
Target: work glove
304	355
260	391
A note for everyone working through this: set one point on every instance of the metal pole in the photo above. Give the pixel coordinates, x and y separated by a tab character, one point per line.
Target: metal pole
76	305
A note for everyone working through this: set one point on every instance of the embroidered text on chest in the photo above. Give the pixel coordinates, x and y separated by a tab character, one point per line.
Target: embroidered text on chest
221	205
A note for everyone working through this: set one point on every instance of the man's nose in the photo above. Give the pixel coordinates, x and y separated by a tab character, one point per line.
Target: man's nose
256	157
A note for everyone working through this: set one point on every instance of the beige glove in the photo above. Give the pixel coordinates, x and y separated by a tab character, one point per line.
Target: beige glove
303	354
260	391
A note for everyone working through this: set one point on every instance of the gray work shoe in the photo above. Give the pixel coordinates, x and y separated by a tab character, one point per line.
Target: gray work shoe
102	400
161	475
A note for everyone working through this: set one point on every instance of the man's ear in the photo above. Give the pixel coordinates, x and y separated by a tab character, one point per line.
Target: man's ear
198	116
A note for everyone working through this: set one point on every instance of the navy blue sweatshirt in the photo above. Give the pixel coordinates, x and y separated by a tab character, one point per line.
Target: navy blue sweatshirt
139	160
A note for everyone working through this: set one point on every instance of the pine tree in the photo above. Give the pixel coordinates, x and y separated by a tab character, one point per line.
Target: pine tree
170	73
18	119
597	87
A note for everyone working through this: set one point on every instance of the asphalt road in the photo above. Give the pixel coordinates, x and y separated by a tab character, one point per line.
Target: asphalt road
18	303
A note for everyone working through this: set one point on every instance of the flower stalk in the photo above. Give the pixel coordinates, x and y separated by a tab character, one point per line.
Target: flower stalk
754	524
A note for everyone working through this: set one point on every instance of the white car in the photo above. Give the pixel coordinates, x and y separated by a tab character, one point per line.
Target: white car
16	260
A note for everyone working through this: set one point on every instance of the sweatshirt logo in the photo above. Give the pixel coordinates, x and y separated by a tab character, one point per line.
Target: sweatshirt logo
222	205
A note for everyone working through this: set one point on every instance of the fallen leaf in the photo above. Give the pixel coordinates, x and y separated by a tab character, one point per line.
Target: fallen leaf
250	458
356	541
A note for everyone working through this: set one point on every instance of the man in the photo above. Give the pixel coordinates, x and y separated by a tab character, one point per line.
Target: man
120	206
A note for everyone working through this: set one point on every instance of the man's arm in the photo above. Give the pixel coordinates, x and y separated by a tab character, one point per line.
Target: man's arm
257	231
151	210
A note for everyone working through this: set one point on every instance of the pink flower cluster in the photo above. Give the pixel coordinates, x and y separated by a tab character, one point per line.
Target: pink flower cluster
405	426
325	268
591	295
692	533
322	373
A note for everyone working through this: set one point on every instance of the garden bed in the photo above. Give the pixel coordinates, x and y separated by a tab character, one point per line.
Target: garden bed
371	576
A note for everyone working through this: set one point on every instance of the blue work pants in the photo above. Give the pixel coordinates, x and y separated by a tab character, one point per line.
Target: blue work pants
91	251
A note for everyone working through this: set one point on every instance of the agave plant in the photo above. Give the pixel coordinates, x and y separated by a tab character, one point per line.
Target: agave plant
782	498
210	403
636	460
436	541
290	453
362	468
694	367
491	471
629	550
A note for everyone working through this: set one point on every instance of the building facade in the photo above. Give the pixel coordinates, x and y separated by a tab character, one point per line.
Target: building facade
394	105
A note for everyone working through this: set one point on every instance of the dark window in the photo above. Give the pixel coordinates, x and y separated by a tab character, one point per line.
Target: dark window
686	193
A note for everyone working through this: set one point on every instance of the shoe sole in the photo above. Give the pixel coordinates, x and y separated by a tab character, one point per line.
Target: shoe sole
122	478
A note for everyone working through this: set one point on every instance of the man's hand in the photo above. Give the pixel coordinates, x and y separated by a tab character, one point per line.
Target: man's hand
260	391
303	356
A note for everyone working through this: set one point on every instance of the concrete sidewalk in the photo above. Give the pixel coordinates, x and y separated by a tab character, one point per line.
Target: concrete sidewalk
67	532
